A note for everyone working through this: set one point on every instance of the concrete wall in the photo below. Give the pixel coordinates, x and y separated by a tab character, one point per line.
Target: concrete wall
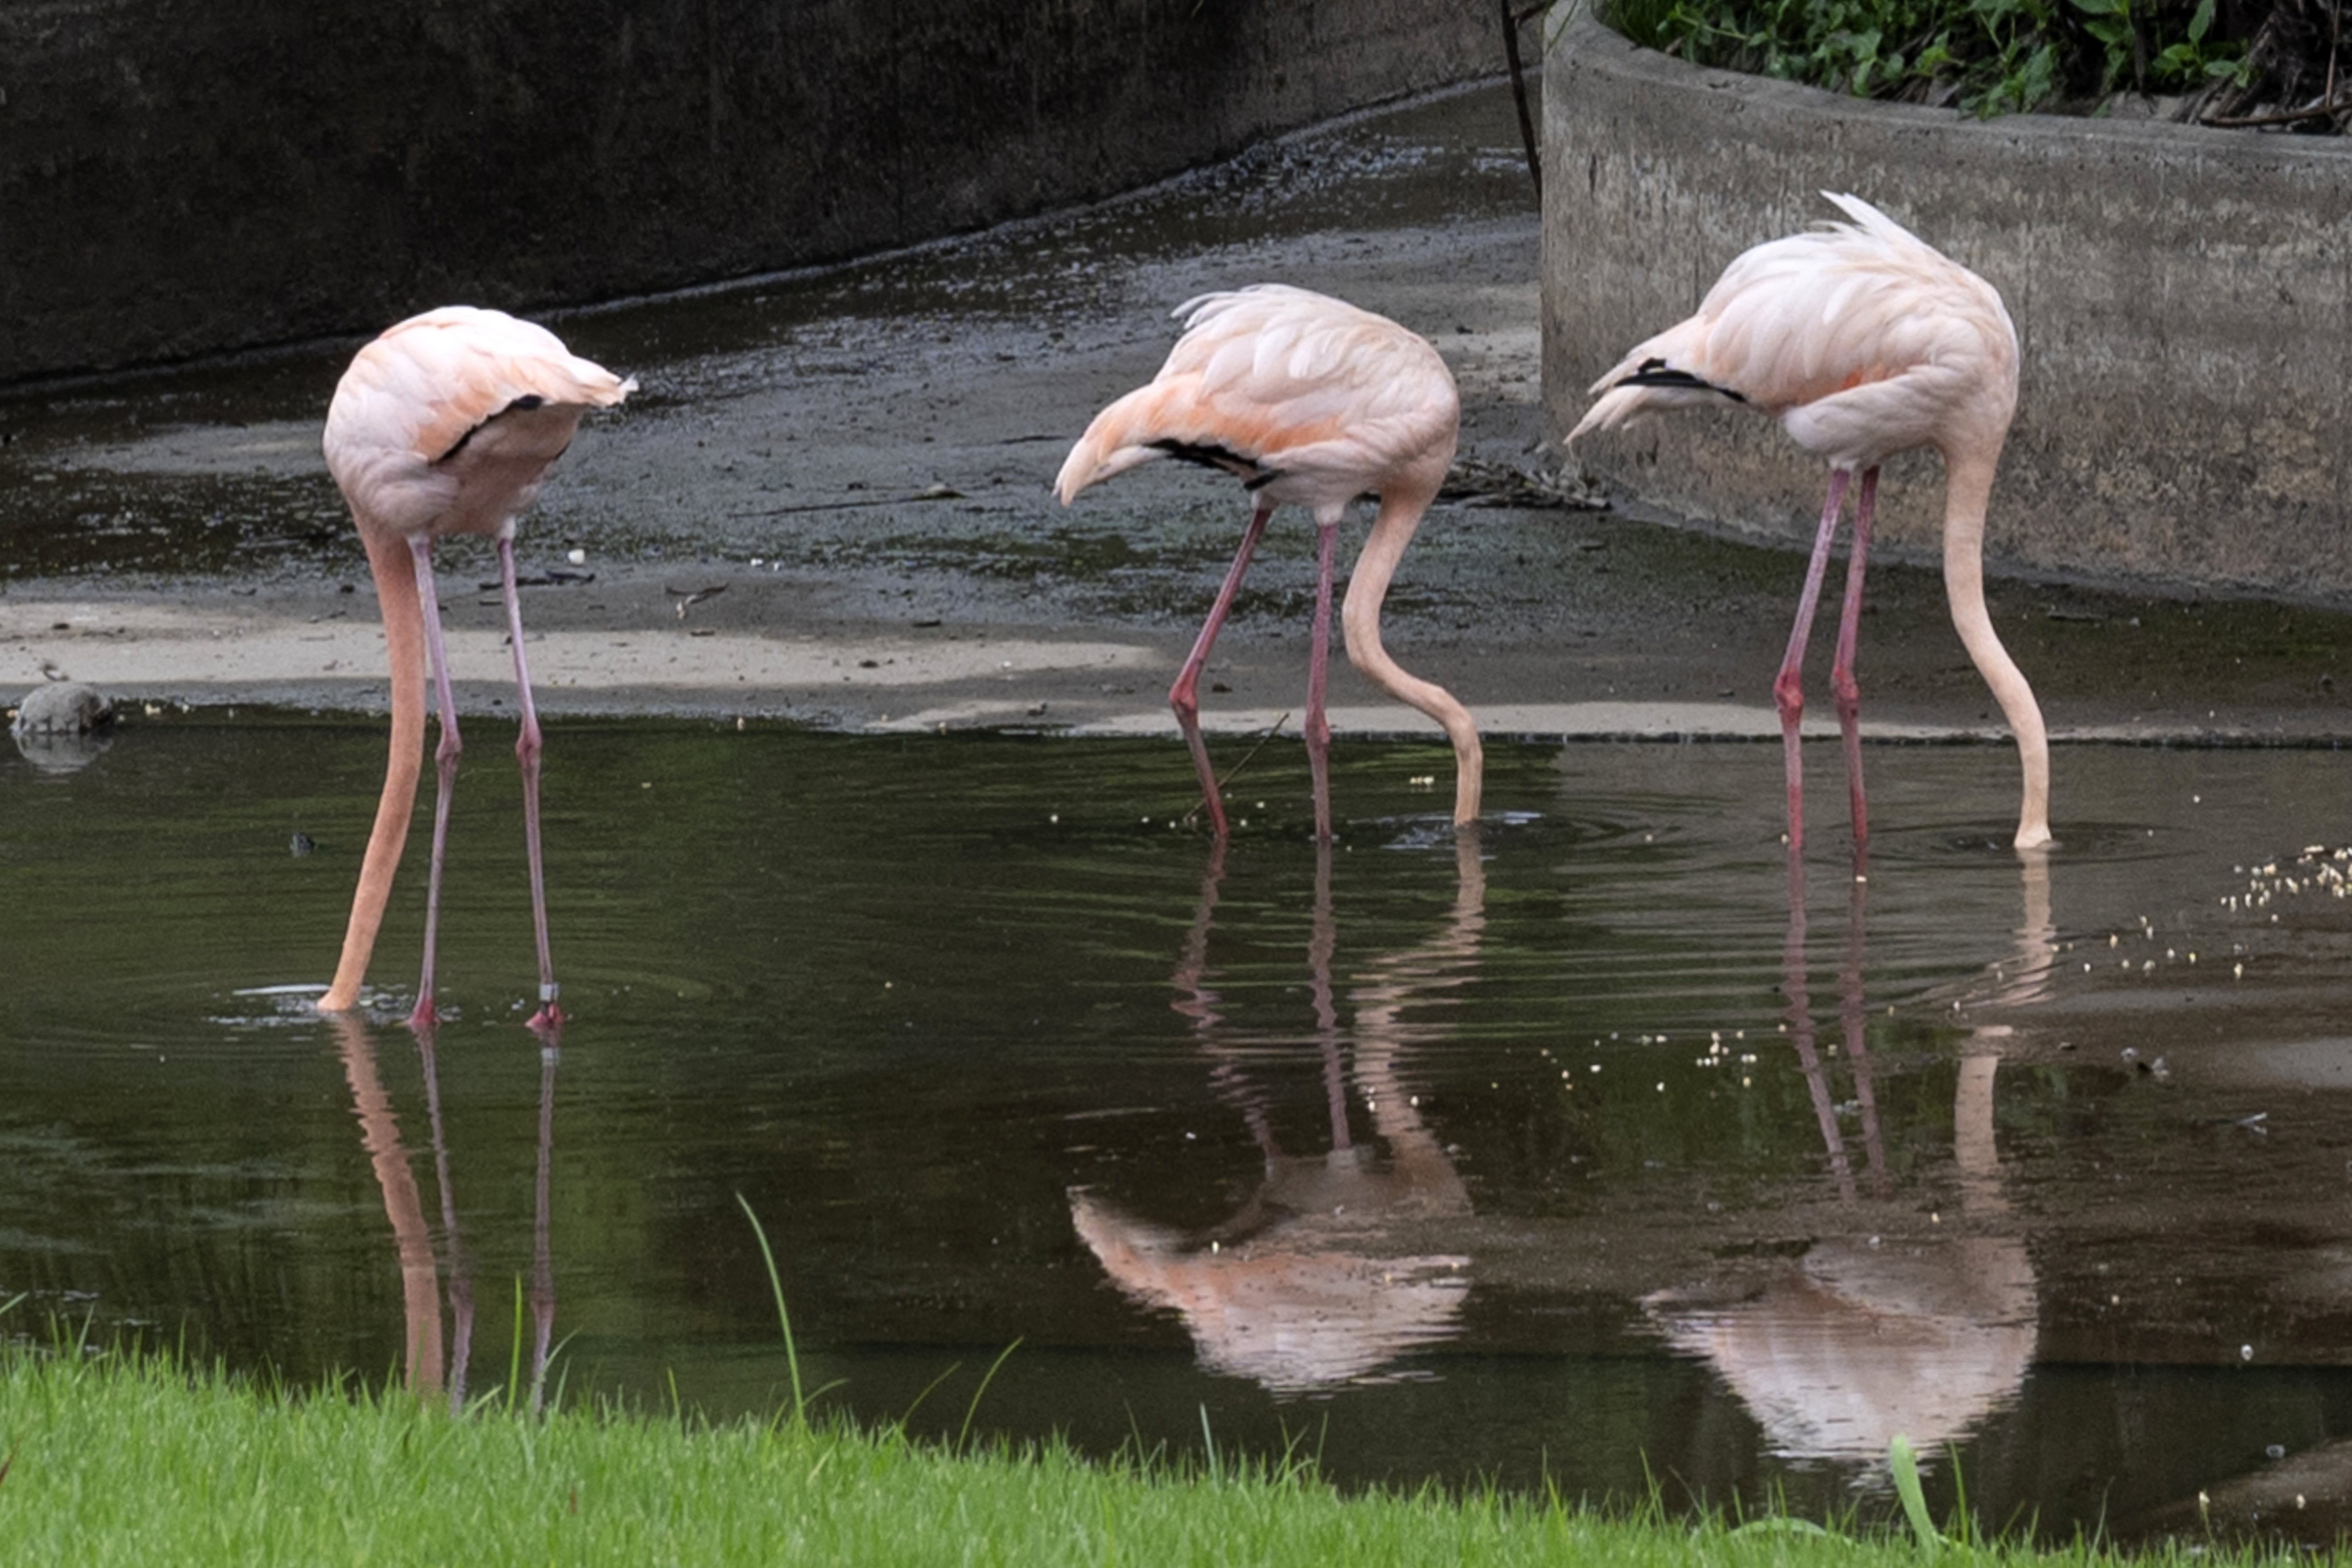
2183	296
180	176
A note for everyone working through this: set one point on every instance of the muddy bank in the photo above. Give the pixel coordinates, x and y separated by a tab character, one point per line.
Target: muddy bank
1612	626
858	463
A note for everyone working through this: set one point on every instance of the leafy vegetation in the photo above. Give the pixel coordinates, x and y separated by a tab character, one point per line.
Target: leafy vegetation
2232	62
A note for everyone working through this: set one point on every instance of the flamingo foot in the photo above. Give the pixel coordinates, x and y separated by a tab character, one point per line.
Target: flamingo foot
549	1016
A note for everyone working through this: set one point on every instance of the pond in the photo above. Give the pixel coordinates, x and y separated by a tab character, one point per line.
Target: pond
1585	1147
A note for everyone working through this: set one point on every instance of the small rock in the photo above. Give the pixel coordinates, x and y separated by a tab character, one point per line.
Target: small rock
63	726
63	708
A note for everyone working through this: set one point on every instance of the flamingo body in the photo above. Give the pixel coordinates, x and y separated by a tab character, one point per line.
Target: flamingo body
1862	341
1310	402
446	424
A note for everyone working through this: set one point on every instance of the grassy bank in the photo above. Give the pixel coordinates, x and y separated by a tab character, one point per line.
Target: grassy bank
132	1460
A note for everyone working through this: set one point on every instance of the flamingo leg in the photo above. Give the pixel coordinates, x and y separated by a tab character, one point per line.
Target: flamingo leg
527	749
1842	681
444	779
1788	692
1184	697
1318	665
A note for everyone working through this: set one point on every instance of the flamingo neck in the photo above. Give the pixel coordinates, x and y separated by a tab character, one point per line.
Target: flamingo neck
394	567
1359	614
1968	490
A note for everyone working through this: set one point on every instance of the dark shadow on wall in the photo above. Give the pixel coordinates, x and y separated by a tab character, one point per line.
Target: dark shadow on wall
181	179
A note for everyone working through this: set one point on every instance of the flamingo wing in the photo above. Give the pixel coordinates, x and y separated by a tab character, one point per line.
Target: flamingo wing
1862	338
1306	397
448	422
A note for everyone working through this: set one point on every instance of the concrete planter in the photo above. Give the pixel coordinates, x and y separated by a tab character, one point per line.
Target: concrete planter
2183	296
179	178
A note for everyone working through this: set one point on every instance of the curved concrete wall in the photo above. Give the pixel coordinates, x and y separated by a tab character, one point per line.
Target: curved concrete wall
180	176
2183	297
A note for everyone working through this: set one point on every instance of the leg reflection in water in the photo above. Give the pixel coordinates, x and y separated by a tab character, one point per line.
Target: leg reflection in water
1319	1276
420	1284
425	1369
1894	1320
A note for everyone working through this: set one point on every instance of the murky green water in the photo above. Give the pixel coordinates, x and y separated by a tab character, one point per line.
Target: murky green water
1562	1153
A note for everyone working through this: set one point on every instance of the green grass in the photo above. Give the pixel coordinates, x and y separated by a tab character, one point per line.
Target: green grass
138	1459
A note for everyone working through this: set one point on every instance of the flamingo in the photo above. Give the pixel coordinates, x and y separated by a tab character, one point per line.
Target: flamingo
1312	401
446	424
1864	341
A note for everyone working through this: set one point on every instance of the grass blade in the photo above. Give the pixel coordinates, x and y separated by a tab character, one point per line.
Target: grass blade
972	1409
1904	1464
784	1318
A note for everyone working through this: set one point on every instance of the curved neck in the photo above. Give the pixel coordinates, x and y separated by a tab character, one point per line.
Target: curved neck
1359	614
1968	490
393	567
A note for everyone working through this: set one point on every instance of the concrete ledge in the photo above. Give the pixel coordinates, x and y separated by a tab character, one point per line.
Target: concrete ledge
2184	299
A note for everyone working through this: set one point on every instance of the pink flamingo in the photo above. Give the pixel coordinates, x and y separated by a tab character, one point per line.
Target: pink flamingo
446	424
1864	341
1311	401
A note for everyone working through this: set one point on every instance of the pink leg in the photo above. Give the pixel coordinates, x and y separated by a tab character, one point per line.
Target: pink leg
527	747
1318	663
1184	697
445	761
1788	692
1842	681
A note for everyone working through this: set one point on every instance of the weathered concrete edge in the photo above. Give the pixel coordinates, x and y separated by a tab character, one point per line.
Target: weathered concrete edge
2183	297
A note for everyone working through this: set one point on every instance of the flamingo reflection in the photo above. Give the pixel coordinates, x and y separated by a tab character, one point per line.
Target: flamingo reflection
426	1370
1317	1280
1871	1333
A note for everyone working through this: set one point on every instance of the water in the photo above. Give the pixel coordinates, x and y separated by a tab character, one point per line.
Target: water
1561	1151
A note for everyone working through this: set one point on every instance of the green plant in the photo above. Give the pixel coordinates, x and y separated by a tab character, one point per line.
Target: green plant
1903	1465
801	1397
1985	57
